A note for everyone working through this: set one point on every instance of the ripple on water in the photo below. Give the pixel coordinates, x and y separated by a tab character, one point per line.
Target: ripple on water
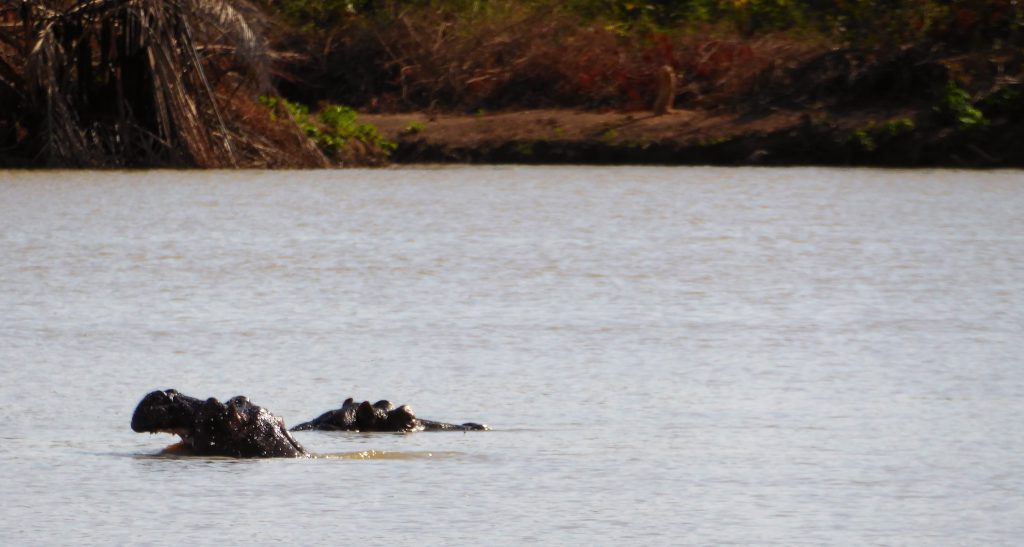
670	356
383	455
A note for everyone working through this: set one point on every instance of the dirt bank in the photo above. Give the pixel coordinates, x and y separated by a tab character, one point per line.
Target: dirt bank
877	136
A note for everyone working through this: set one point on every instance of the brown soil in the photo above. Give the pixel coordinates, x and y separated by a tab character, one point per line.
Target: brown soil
690	126
773	137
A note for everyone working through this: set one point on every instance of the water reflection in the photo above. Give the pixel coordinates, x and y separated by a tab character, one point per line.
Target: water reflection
381	455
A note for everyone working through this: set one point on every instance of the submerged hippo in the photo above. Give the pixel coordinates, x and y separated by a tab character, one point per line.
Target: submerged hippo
380	416
236	428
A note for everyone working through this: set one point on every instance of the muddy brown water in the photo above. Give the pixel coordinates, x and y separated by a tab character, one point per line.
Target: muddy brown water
666	355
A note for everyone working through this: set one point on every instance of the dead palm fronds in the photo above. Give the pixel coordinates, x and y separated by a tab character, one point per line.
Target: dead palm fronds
16	34
128	82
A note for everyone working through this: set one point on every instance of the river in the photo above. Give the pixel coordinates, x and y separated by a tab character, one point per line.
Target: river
667	356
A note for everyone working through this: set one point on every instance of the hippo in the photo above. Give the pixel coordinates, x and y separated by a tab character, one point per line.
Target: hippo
380	416
236	428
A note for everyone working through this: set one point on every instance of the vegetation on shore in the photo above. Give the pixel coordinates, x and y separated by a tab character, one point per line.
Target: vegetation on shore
107	83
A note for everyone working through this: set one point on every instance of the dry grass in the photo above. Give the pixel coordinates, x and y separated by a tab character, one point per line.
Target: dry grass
514	57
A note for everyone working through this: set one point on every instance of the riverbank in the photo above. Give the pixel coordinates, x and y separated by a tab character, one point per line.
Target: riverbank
879	136
915	85
290	85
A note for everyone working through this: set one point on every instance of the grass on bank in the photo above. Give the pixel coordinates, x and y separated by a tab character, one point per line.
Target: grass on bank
470	55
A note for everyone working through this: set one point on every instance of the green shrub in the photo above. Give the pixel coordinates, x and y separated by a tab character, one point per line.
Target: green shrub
955	105
875	136
899	126
342	126
413	128
333	127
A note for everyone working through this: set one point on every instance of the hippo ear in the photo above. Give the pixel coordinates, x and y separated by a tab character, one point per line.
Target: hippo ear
365	416
403	418
234	416
404	413
347	402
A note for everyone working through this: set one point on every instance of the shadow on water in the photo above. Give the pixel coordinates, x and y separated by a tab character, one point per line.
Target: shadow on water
179	451
355	455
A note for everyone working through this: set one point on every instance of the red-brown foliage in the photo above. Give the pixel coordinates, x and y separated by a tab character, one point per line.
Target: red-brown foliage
426	59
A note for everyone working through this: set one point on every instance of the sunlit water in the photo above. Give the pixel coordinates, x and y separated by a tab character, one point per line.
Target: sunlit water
666	355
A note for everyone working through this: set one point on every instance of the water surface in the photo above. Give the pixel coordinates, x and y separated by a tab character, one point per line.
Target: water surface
666	355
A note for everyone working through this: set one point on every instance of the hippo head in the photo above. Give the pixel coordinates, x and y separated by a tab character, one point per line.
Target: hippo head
383	416
236	428
353	416
380	416
167	412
